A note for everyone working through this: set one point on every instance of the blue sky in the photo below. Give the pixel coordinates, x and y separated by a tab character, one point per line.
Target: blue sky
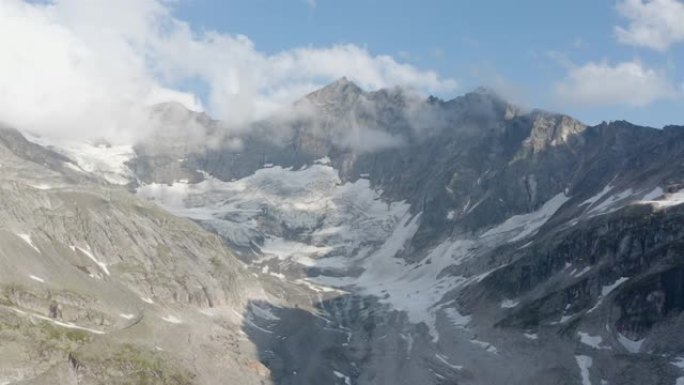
524	48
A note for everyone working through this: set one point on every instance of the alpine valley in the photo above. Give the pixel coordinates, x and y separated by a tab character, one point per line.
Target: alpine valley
354	238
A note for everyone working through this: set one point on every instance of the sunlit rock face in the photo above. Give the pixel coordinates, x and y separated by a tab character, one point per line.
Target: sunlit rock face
355	238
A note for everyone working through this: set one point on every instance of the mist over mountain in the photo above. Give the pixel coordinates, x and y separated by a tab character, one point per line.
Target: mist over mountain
353	237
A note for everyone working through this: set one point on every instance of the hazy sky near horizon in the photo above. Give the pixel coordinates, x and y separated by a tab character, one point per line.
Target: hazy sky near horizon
69	66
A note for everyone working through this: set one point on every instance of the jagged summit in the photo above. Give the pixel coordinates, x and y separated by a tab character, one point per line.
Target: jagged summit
170	111
344	85
343	89
486	91
340	92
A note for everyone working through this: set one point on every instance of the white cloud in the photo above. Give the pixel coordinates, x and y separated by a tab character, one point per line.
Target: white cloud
602	84
248	84
655	24
53	79
85	67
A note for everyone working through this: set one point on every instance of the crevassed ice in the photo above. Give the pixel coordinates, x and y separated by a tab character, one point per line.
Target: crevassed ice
347	227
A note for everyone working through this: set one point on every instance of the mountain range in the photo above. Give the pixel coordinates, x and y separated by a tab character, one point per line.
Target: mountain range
353	238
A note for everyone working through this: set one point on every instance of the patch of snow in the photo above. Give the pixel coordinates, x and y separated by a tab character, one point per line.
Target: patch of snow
520	226
666	200
612	203
473	207
609	288
631	346
580	273
598	303
108	162
347	379
27	238
653	194
446	362
525	245
485	345
278	275
509	304
314	287
325	161
679	362
584	363
147	300
439	376
172	319
531	336
37	279
589	340
208	312
89	254
301	253
73	167
597	197
127	316
67	325
413	289
41	186
456	318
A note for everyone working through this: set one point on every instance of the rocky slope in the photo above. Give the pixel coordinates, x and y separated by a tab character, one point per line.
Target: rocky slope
402	240
99	287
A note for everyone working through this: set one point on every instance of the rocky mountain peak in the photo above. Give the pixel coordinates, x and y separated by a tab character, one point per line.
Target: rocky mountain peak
486	91
484	102
340	93
549	129
176	113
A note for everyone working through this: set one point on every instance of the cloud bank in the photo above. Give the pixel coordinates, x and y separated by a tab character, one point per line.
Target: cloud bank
655	24
603	84
75	68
